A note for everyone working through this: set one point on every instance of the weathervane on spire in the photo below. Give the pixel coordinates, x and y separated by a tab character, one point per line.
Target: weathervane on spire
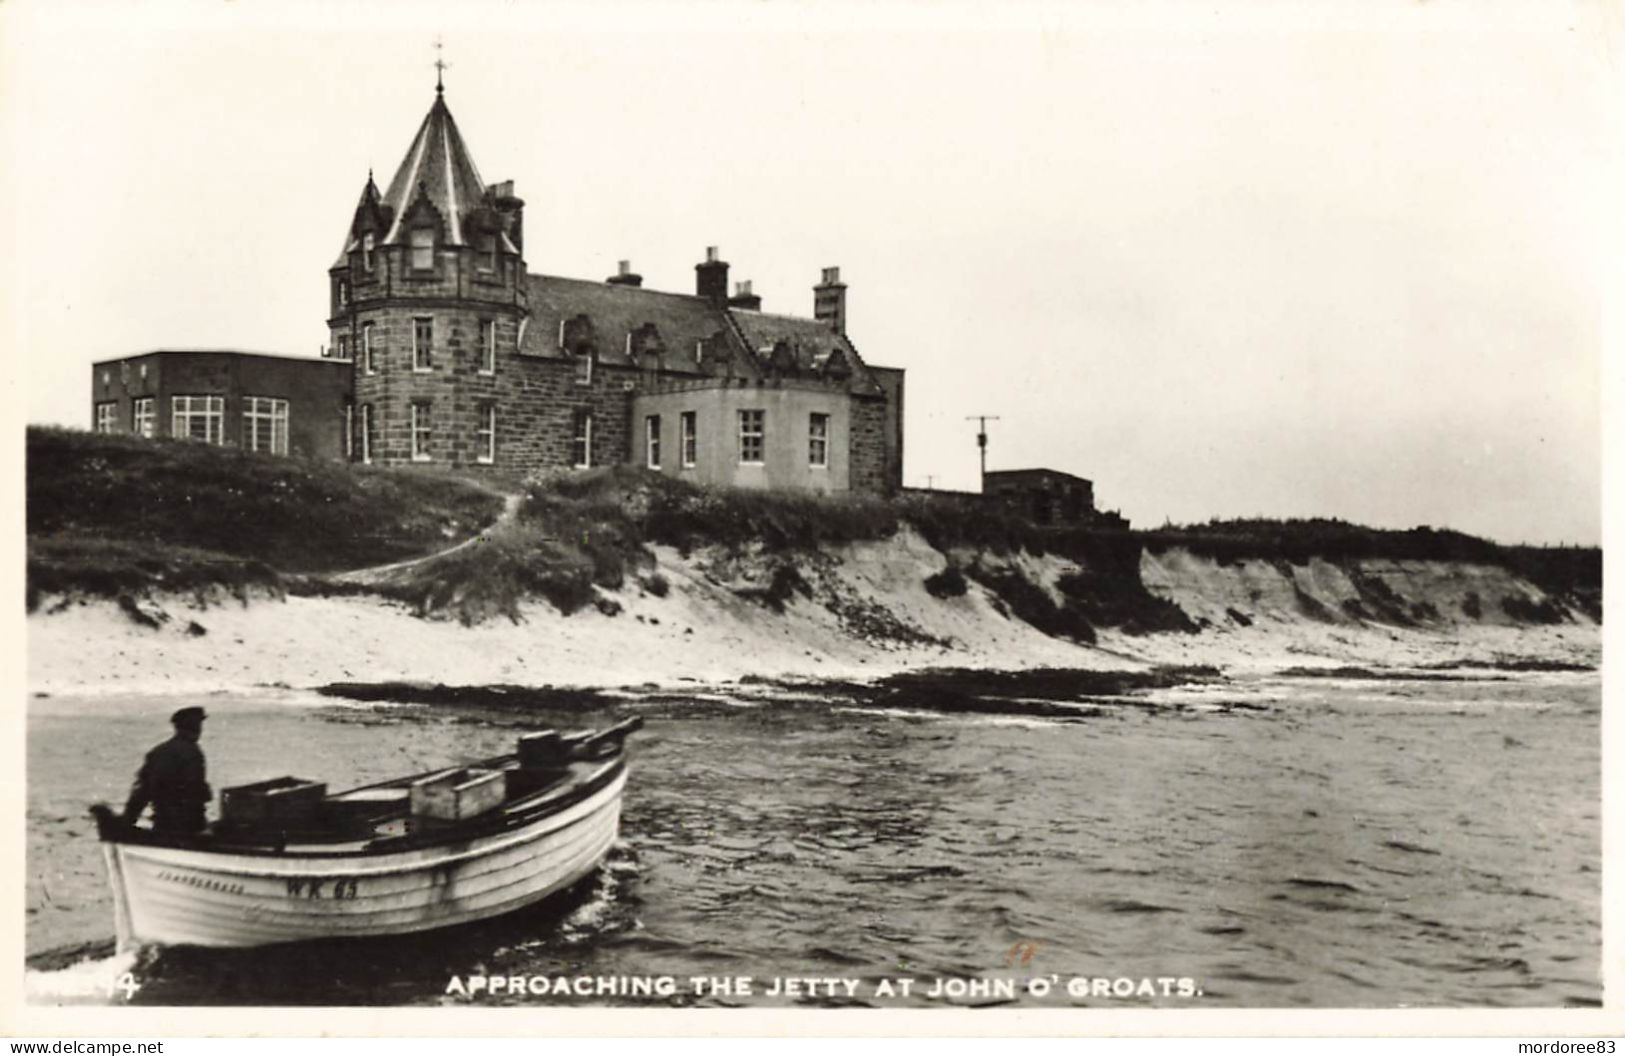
439	67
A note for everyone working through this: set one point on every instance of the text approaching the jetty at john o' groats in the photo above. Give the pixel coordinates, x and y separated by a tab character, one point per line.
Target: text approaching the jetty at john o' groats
953	989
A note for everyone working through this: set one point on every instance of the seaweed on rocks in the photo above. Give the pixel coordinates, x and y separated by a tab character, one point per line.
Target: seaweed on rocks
485	696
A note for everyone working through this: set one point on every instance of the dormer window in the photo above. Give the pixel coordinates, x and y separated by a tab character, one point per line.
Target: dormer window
422	249
344	294
366	251
488	253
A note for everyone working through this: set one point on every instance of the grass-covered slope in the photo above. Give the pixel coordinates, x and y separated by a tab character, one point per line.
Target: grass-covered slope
115	515
108	514
1571	575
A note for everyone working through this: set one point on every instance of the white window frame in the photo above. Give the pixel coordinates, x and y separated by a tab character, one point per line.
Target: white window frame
422	431
366	251
753	426
106	416
488	346
584	367
582	437
212	411
366	434
485	257
688	439
422	356
273	409
369	364
349	432
487	434
144	416
651	440
818	440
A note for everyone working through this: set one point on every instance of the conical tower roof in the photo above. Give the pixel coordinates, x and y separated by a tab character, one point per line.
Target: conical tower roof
437	166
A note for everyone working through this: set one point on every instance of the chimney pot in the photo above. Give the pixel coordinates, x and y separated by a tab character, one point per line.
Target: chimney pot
710	254
624	275
743	298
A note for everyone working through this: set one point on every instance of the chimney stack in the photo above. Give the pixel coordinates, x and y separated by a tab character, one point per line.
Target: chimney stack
743	298
711	278
512	209
829	300
624	275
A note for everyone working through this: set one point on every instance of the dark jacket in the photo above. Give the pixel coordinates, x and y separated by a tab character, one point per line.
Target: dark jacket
172	779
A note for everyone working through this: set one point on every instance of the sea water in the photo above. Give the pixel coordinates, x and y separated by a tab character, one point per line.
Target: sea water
1274	841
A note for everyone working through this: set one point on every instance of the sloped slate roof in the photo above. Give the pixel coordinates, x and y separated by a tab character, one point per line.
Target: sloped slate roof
682	322
369	199
437	171
614	311
810	340
439	166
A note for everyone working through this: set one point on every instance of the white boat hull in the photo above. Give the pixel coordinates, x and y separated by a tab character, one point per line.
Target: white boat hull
177	896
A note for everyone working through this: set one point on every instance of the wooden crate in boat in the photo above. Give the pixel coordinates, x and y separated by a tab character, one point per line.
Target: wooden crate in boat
457	794
279	801
543	750
368	804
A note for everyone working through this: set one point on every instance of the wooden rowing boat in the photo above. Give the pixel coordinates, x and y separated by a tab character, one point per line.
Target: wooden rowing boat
289	862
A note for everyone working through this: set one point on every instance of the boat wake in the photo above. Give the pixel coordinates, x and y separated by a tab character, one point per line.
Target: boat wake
108	978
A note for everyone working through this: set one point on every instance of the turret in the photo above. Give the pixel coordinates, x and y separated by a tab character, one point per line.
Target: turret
427	300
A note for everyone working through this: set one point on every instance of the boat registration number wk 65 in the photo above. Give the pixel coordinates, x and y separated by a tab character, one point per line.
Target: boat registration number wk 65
335	888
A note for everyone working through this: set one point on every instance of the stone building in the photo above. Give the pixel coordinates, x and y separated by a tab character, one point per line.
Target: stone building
284	405
461	357
1048	496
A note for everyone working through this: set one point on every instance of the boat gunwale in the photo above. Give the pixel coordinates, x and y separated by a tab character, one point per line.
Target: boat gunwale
588	846
543	803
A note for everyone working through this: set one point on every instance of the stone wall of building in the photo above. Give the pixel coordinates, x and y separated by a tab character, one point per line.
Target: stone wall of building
455	388
890	380
869	457
538	404
456	296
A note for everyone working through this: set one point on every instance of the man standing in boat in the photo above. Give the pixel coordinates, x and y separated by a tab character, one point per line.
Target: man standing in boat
172	780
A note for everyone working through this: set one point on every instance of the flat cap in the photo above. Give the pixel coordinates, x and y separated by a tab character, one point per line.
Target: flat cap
188	716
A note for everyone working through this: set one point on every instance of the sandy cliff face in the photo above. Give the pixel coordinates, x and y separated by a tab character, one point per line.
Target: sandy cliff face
851	611
1436	594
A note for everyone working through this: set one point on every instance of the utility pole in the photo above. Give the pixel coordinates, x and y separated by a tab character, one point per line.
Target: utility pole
981	421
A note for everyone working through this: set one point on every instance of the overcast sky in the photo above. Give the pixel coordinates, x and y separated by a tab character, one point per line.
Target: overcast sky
1341	260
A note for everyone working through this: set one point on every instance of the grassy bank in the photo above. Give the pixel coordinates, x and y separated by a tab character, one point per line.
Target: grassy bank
119	516
1569	574
108	514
